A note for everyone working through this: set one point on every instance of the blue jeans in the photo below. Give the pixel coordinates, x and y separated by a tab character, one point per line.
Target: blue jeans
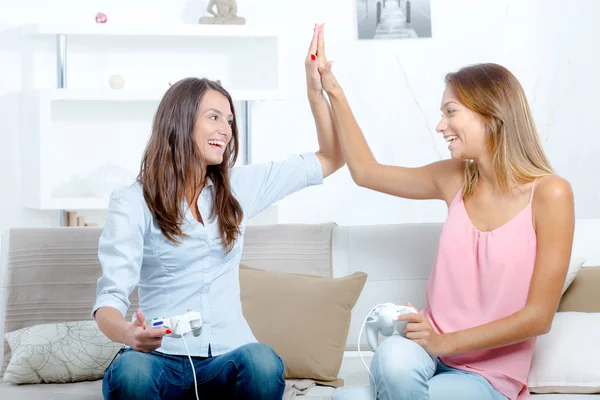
403	370
252	371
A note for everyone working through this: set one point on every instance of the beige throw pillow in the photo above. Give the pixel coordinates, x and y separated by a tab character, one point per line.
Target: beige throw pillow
59	353
583	294
304	318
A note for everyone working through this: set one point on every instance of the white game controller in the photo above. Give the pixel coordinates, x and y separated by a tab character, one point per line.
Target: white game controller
180	325
382	320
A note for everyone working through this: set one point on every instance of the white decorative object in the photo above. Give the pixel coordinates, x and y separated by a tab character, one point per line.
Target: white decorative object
226	13
116	82
103	180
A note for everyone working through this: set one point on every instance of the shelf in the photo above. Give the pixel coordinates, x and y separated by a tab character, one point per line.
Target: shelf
149	95
178	30
71	203
71	124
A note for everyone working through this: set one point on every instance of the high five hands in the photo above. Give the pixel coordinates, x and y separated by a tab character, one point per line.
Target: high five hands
318	68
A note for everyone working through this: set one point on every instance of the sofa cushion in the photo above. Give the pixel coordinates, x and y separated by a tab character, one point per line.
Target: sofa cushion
583	294
59	353
290	248
565	360
91	390
304	318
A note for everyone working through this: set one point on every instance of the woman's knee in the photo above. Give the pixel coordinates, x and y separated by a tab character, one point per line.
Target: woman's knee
400	362
131	375
262	371
262	361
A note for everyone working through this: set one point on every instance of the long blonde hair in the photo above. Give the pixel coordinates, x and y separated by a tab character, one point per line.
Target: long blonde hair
494	92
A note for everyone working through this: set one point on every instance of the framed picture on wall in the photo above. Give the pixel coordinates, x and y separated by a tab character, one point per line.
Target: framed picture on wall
393	19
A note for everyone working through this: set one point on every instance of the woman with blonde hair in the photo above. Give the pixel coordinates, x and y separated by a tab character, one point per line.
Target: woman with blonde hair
503	252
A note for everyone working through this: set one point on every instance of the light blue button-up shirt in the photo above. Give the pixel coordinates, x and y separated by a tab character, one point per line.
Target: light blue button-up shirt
197	274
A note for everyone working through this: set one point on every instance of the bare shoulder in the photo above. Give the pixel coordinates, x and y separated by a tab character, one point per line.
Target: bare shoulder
552	190
553	202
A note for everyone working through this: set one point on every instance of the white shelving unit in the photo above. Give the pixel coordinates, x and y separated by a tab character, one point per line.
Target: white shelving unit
66	122
148	30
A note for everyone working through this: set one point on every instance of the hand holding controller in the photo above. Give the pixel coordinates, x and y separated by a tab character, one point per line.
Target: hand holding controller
180	325
382	319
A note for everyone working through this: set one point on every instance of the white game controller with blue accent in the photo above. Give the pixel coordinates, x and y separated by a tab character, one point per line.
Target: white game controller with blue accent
180	325
383	320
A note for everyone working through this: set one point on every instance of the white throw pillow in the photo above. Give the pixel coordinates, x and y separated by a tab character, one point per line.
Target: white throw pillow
59	353
565	360
574	266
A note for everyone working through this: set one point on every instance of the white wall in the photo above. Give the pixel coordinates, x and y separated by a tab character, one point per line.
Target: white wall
394	87
395	90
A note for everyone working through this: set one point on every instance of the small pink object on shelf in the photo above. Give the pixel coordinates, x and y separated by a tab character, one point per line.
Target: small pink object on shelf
101	18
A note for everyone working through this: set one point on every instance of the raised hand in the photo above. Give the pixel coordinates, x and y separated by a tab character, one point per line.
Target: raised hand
328	81
313	78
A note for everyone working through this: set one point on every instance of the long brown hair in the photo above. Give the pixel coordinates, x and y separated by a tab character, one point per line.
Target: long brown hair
494	92
172	159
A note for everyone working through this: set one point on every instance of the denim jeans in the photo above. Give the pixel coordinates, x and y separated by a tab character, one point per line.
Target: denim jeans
252	371
403	370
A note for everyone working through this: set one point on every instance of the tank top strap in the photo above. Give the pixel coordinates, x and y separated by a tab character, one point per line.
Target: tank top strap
532	189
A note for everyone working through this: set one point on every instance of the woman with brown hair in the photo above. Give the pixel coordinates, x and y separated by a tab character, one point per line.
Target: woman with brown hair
177	235
503	252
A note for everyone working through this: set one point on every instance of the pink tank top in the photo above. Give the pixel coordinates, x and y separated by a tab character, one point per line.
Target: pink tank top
479	277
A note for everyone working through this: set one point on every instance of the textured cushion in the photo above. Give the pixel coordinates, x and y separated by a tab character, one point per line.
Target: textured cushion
304	318
583	294
59	353
565	360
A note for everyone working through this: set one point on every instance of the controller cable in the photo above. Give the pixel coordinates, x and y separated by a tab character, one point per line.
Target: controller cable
360	333
191	362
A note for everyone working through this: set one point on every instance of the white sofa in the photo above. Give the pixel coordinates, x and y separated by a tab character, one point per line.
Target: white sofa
397	259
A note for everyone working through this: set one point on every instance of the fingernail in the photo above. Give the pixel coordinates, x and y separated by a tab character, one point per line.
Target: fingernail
313	57
169	331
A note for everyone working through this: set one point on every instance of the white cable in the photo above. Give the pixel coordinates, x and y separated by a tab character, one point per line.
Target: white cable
191	362
360	333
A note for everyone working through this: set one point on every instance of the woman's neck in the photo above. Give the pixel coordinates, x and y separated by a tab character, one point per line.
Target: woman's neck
193	187
488	181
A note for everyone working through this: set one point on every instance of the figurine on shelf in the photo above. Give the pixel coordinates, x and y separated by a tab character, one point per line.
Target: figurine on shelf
101	18
226	13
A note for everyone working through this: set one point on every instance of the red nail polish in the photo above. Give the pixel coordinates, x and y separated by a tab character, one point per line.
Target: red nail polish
313	57
169	331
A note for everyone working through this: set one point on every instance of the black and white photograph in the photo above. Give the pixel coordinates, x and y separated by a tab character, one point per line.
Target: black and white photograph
393	19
